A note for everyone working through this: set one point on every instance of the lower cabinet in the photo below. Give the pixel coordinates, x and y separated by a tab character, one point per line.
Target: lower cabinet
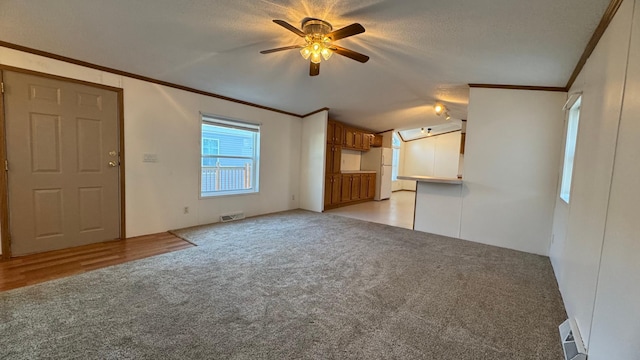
333	186
347	189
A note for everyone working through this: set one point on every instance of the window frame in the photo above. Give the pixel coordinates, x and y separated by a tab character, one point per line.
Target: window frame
226	122
569	154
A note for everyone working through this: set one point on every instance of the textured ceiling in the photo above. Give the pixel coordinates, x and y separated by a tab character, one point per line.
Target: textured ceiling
421	51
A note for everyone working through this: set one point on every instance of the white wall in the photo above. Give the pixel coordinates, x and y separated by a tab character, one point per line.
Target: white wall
511	162
166	121
597	261
580	226
616	316
432	156
350	160
312	161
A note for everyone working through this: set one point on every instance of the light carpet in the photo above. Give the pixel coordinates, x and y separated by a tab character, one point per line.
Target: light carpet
296	285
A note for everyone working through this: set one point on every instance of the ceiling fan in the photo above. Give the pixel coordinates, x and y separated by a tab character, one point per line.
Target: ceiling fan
319	37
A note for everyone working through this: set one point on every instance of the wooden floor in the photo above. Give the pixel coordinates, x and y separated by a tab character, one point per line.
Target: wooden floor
37	268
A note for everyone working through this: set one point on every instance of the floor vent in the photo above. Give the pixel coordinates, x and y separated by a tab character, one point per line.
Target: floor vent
232	217
572	341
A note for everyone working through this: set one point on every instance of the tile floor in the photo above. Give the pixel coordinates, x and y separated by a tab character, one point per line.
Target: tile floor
397	211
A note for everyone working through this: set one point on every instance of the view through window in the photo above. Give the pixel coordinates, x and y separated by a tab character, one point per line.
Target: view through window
229	157
570	150
396	156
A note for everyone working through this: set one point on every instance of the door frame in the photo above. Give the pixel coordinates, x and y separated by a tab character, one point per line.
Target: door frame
4	193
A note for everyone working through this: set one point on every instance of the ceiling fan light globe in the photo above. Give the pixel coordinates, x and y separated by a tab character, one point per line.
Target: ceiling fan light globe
305	52
326	53
316	58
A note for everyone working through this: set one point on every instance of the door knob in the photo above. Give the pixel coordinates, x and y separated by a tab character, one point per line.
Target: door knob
113	164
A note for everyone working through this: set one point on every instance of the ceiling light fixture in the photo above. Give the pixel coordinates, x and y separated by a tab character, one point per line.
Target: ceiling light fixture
422	130
447	116
318	45
439	108
429	132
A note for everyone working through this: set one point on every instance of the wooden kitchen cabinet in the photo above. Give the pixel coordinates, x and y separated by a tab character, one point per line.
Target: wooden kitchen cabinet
355	186
364	186
372	186
345	191
332	190
348	189
349	138
335	133
366	141
332	159
357	140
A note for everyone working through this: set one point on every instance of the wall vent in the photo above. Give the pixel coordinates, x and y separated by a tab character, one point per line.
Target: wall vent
572	341
232	217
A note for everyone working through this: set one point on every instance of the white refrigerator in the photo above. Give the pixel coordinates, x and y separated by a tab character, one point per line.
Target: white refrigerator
379	160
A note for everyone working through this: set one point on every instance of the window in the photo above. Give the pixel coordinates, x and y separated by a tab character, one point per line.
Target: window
229	157
395	143
570	150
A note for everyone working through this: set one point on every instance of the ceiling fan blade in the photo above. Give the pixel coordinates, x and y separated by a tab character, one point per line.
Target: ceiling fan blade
281	49
353	29
350	54
289	27
314	70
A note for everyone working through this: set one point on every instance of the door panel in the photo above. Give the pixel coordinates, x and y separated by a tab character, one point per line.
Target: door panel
45	143
60	138
48	212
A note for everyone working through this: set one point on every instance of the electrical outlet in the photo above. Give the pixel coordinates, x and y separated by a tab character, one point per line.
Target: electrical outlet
186	209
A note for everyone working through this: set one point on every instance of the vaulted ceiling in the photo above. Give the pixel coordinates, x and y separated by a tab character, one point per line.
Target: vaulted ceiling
422	51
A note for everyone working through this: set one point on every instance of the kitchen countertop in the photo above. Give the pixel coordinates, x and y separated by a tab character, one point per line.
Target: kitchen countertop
432	179
357	172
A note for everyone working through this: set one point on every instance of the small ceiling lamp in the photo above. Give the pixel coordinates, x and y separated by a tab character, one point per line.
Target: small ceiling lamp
429	132
422	130
447	116
439	108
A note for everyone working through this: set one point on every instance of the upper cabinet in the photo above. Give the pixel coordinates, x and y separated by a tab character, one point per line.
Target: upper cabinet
335	133
352	138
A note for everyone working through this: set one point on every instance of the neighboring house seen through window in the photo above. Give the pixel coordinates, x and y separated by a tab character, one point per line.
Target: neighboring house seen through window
229	157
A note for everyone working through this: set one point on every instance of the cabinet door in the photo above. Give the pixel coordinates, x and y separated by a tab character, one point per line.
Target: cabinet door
328	187
338	134
372	186
364	186
331	132
357	143
349	138
355	187
328	160
366	142
337	157
336	186
345	190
